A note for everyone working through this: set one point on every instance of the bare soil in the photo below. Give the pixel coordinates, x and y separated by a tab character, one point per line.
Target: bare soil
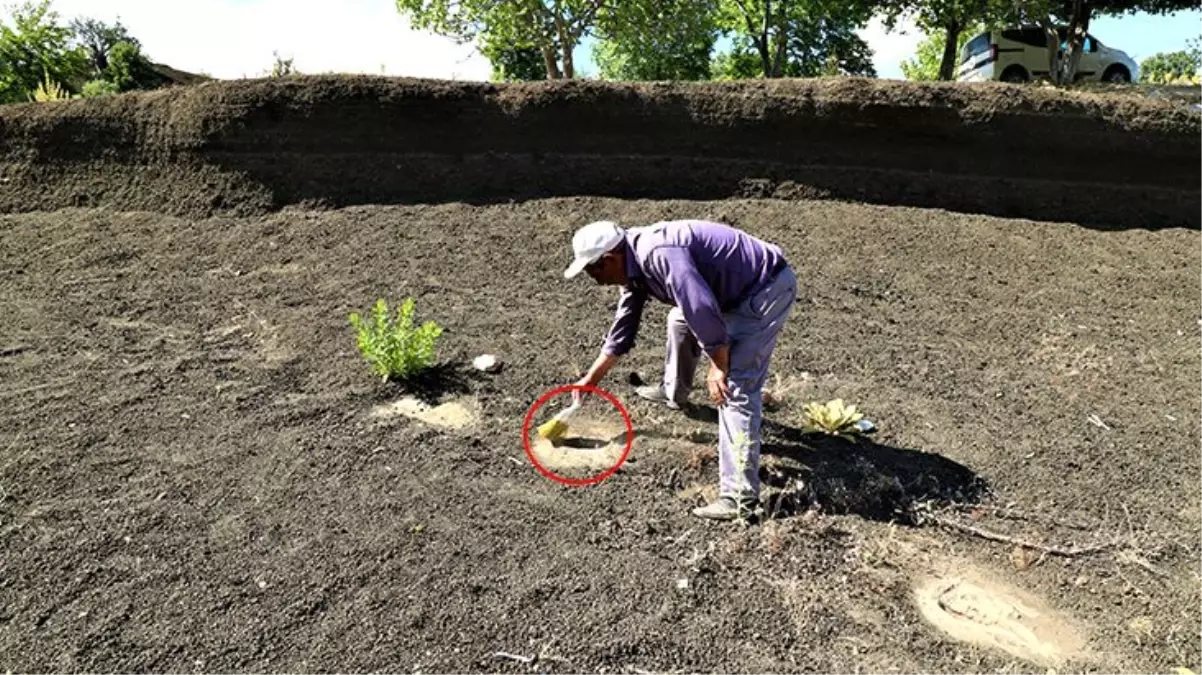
194	475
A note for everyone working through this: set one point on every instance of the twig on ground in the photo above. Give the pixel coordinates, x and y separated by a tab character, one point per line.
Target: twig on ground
1119	570
514	657
1140	561
680	540
995	536
1130	526
698	556
544	654
1014	514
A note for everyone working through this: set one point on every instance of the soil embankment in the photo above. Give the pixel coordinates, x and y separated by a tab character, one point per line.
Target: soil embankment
247	147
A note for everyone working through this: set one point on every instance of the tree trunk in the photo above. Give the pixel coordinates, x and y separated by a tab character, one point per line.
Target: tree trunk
782	40
1053	38
569	67
549	60
1077	28
778	58
947	67
761	45
565	45
1062	65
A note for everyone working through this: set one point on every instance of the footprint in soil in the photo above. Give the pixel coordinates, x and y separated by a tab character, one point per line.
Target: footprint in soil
981	611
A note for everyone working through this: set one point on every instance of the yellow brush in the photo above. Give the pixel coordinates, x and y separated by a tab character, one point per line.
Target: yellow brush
558	426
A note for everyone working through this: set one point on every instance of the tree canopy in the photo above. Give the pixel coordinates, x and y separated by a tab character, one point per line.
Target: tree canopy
795	38
657	40
34	47
88	57
552	28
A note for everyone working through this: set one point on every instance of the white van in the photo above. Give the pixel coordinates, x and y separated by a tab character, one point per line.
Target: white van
1021	54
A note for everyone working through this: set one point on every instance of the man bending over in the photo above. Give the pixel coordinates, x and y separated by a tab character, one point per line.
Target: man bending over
730	295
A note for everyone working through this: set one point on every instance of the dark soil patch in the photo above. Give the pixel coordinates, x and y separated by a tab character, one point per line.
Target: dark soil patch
191	478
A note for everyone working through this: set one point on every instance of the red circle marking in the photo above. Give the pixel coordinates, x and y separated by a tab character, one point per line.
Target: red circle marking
577	482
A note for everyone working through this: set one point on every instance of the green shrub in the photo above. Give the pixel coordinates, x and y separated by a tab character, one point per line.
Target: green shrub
96	88
396	350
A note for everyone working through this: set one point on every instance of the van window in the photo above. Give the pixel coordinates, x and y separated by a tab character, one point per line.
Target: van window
1032	37
975	47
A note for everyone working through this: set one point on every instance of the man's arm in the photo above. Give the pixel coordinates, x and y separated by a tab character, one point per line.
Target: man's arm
625	327
619	340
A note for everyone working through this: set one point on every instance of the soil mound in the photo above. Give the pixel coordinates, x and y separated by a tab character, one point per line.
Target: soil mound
247	147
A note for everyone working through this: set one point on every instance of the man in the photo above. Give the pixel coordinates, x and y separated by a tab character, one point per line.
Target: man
731	294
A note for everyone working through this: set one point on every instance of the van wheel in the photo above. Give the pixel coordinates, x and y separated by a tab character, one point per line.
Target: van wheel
1116	74
1014	74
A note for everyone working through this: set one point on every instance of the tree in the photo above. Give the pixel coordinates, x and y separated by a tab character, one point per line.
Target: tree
927	63
99	38
129	70
950	19
281	67
35	48
1167	67
553	27
516	64
657	40
797	38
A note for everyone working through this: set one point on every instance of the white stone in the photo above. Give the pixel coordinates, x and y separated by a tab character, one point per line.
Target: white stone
487	363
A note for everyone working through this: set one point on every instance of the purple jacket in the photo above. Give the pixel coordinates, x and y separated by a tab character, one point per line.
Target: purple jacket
704	268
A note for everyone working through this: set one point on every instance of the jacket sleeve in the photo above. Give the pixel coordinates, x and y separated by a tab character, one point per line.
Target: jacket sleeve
693	295
625	327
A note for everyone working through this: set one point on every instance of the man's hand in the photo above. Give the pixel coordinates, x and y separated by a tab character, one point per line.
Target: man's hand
595	374
716	380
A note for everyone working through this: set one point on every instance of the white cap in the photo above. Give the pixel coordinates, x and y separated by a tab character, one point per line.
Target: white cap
591	242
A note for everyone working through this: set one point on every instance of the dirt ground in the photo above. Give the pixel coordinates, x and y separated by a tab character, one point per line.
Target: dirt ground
200	474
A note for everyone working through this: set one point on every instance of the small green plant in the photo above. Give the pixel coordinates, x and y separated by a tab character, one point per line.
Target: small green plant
832	418
396	350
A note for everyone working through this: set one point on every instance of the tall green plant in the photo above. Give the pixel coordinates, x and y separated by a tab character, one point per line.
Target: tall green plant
398	349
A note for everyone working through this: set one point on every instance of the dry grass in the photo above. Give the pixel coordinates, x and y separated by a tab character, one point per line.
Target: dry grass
699	457
783	390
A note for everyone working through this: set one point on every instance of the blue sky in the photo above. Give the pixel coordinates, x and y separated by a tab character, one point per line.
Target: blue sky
369	36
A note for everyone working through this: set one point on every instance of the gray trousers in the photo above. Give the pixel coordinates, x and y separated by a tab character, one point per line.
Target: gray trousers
753	327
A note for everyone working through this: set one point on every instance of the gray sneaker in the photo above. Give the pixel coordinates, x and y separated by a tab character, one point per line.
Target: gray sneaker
655	392
725	508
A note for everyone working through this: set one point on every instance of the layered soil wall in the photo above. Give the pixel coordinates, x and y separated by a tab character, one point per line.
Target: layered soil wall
248	147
